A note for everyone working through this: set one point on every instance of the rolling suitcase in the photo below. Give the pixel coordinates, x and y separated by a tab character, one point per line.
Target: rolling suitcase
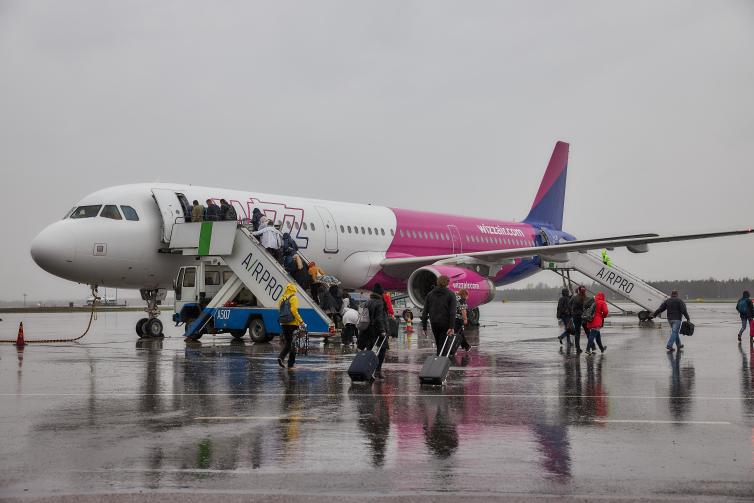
435	368
687	328
365	363
393	326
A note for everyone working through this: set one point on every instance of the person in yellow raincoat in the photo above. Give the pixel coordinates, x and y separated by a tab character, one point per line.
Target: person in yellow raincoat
289	325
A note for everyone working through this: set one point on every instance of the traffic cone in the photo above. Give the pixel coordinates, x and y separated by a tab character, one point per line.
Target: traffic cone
20	339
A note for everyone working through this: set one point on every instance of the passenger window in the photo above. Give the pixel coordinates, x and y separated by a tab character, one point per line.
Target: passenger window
392	233
130	213
382	231
86	211
363	231
305	227
189	278
342	229
370	230
312	225
355	229
400	233
111	211
375	232
211	278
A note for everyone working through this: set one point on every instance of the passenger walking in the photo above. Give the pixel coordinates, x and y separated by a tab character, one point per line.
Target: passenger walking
598	314
270	239
256	218
377	330
290	320
197	212
213	211
350	319
746	311
440	308
563	313
576	306
227	212
676	308
315	274
462	319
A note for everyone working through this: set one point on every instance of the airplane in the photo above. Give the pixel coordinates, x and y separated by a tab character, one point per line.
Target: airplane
116	237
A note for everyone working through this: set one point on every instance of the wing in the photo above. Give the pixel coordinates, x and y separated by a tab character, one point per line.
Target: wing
404	266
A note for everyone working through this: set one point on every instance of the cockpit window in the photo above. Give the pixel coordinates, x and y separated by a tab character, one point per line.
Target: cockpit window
111	211
86	211
130	213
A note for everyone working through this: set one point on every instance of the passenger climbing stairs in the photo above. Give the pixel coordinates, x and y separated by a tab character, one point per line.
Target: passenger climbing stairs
253	267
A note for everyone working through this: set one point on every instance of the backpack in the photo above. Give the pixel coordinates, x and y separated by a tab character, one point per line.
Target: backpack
286	315
743	306
364	318
590	311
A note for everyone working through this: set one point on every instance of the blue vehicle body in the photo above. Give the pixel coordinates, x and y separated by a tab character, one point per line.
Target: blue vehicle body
228	319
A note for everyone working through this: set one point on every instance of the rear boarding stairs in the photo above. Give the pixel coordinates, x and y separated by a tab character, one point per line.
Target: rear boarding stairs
253	268
615	279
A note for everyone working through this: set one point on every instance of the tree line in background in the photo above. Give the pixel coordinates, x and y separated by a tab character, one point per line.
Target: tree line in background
703	289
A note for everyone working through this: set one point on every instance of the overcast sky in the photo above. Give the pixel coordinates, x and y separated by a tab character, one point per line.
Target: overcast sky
441	106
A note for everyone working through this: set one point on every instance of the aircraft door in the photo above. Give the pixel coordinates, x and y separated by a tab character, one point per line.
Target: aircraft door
170	209
456	237
331	232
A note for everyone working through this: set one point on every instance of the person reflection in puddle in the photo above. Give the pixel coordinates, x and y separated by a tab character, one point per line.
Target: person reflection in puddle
440	432
374	421
681	384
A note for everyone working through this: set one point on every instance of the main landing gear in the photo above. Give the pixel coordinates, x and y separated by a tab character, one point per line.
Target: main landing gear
151	326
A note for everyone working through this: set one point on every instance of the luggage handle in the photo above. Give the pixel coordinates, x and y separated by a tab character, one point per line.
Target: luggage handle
442	350
377	352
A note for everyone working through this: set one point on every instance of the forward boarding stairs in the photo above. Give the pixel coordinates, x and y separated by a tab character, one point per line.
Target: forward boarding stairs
253	267
612	277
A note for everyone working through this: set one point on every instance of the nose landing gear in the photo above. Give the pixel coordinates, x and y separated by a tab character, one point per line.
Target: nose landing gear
151	326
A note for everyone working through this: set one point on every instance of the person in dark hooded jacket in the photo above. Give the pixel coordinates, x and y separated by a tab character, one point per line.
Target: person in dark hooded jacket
256	217
227	212
376	333
213	211
564	314
676	309
440	308
289	244
745	310
576	305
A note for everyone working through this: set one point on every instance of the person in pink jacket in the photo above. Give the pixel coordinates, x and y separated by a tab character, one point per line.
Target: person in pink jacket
596	323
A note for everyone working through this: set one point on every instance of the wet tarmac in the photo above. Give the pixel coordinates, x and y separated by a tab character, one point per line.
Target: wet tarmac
118	419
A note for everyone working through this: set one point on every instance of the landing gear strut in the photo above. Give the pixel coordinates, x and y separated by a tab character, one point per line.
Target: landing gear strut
151	326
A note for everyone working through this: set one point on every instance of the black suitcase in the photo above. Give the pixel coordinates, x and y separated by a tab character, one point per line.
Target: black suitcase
364	364
435	368
687	328
393	326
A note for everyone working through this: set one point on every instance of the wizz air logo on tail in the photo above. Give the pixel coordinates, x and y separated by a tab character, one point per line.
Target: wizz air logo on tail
501	231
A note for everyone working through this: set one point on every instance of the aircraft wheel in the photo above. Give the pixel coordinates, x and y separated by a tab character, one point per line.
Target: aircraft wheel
257	332
140	326
152	328
474	317
238	334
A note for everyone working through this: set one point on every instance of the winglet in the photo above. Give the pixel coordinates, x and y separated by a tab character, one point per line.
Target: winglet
548	205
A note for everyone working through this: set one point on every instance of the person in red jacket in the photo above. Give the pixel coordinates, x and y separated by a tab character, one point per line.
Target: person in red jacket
600	313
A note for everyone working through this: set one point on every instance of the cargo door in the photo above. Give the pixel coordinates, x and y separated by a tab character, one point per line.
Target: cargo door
170	209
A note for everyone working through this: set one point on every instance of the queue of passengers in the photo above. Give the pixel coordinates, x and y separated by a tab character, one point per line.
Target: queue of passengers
212	212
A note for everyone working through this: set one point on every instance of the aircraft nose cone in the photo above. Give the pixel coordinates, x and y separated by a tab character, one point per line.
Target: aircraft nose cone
53	249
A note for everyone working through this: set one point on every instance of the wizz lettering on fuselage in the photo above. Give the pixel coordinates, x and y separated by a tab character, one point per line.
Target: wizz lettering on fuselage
615	280
261	274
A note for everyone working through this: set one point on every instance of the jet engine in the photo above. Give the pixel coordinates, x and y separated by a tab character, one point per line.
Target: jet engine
422	281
